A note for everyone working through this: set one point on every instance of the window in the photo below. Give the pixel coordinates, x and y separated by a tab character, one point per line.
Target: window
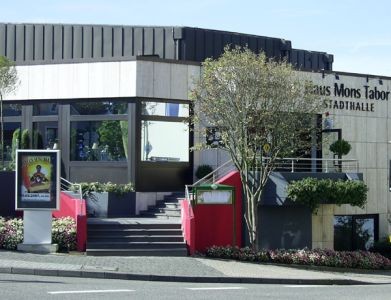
12	132
12	110
355	232
99	140
99	108
45	135
164	141
165	109
45	109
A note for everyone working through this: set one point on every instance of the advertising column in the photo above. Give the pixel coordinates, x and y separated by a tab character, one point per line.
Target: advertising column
37	194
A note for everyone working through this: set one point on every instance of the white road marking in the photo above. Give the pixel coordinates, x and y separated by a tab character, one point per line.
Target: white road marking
304	285
90	292
216	288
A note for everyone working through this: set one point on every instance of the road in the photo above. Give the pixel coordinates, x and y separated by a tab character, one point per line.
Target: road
39	287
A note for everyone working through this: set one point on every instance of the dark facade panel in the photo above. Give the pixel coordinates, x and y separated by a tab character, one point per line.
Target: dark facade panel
19	42
311	60
10	40
53	43
77	41
3	43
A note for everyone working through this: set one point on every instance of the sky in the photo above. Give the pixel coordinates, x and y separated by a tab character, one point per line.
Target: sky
356	32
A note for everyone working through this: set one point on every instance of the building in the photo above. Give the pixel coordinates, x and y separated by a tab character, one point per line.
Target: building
114	98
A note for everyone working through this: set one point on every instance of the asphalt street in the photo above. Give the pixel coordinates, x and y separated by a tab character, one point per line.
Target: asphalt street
40	287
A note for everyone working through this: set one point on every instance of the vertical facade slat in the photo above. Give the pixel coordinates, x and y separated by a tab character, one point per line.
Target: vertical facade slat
19	42
128	41
209	44
117	41
68	43
138	41
189	43
97	41
87	42
77	41
29	43
48	42
2	39
159	42
218	44
39	42
252	44
57	42
200	45
169	51
149	41
10	50
107	39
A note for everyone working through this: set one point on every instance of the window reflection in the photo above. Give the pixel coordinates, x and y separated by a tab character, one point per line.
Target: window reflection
45	135
164	141
45	109
165	109
99	140
99	108
11	110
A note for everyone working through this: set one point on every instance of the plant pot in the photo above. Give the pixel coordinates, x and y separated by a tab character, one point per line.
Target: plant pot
111	205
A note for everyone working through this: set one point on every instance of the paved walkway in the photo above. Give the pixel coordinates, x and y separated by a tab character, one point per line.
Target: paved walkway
190	269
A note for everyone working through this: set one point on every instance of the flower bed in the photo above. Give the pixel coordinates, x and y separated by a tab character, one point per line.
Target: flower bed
316	257
63	233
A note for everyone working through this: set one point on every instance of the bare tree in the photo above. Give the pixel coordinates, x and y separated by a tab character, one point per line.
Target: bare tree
8	84
255	101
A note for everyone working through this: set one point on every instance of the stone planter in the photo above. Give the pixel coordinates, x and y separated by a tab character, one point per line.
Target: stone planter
110	205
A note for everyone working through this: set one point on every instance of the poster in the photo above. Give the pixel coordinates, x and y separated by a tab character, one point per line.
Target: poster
37	177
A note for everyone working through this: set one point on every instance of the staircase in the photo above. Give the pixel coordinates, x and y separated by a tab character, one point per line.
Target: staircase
168	208
135	237
157	232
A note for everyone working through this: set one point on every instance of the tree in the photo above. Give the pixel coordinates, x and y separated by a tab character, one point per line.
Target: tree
8	84
262	107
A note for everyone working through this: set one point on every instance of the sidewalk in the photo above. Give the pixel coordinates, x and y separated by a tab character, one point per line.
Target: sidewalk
181	269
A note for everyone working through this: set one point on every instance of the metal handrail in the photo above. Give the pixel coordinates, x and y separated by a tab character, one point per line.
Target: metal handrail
290	164
68	186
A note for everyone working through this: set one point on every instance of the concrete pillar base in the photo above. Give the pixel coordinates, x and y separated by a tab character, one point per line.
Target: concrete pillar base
38	248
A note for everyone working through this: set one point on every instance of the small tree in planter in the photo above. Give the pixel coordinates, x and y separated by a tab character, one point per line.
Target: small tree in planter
203	170
340	147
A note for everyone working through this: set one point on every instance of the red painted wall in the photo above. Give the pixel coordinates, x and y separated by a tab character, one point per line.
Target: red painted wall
75	208
213	224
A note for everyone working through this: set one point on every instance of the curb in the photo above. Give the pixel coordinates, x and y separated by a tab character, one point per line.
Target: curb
168	278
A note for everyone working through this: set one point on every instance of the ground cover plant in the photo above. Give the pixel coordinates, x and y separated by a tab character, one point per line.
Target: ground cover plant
63	233
316	257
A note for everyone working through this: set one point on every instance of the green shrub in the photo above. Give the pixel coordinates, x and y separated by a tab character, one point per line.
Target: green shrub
63	233
316	257
25	139
203	170
312	192
89	187
340	147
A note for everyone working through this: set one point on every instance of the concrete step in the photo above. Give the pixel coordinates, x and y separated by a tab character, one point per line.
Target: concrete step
165	210
136	238
137	252
118	226
133	232
135	245
148	214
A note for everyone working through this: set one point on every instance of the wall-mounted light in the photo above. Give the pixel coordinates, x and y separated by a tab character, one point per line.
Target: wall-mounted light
323	75
367	78
380	81
336	76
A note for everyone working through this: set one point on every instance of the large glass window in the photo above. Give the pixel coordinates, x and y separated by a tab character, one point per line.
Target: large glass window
99	140
164	141
45	109
355	232
45	135
165	109
11	110
99	108
12	133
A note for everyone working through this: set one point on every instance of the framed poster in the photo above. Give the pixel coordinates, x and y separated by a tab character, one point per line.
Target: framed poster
37	180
